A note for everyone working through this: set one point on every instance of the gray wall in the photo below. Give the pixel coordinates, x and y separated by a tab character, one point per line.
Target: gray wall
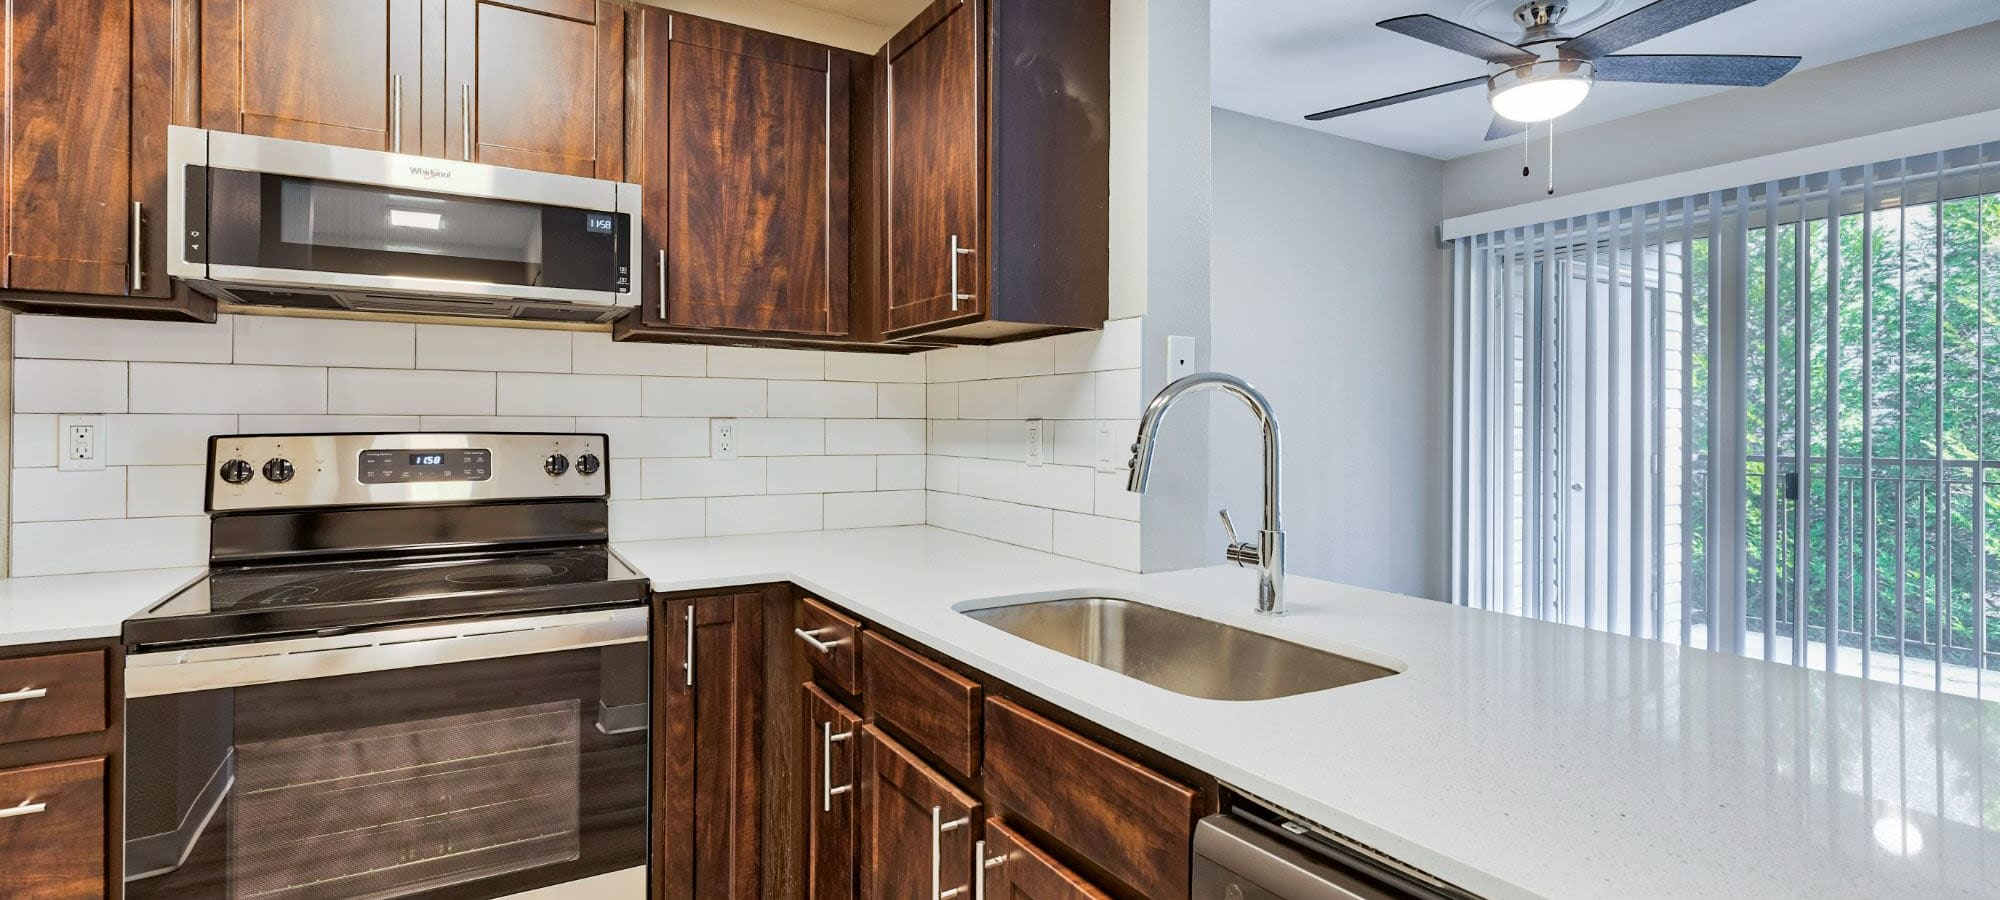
1329	297
1952	75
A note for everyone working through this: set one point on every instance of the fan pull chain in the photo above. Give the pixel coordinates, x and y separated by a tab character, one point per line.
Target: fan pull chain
1526	151
1552	157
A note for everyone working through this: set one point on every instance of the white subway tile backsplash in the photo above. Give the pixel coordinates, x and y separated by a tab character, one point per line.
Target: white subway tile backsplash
62	548
1027	526
568	395
472	348
899	401
878	367
594	352
1109	542
35	440
822	399
628	478
822	474
763	515
154	491
307	424
200	388
703	477
556	424
50	495
941	473
957	437
876	509
899	473
720	398
162	440
1057	487
1118	346
70	337
1118	395
69	386
1006	439
1112	498
780	437
637	438
990	478
1074	443
762	362
998	399
1019	359
409	392
1058	397
955	364
286	341
941	401
657	520
875	436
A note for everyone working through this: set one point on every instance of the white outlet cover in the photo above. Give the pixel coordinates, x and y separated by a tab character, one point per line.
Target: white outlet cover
722	439
1180	356
1033	452
1108	458
80	443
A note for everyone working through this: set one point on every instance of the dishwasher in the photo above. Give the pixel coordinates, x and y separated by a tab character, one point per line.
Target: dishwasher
1253	851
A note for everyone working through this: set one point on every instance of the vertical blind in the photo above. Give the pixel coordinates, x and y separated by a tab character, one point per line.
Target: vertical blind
1762	420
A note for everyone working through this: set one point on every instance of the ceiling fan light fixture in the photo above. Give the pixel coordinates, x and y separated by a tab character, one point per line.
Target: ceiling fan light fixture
1540	91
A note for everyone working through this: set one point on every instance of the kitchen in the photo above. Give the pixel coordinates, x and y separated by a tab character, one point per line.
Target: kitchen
772	448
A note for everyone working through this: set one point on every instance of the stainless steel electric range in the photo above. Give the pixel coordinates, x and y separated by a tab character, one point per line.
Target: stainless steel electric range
415	669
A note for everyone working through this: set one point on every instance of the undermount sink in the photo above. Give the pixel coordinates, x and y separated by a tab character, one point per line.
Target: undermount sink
1178	652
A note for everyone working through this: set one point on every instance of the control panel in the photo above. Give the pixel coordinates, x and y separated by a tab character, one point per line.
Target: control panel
265	472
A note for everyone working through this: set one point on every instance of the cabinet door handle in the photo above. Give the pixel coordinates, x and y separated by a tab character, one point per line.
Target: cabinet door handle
938	828
663	284
138	247
826	742
396	113
979	871
956	252
812	639
24	694
689	663
465	118
25	809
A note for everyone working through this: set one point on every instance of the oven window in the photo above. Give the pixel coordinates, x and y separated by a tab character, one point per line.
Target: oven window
304	224
469	780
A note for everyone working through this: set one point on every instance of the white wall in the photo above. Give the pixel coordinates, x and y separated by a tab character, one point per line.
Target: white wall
794	20
1328	297
1928	81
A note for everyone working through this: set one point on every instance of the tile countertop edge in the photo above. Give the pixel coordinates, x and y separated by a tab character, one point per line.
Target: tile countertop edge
51	609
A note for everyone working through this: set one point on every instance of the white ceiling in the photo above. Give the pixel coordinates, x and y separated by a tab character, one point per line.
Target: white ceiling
1282	59
878	12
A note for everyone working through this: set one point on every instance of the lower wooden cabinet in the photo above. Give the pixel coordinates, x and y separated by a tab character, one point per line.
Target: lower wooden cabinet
918	827
1018	870
833	755
708	696
52	831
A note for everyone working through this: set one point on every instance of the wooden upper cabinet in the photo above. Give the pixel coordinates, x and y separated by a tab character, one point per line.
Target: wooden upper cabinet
87	105
743	145
545	80
343	72
911	809
933	167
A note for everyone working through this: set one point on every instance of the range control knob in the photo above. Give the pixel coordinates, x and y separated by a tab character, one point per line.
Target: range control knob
556	464
588	464
279	470
235	471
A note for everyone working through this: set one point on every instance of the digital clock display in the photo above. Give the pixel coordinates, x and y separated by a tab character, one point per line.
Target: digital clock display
426	459
403	465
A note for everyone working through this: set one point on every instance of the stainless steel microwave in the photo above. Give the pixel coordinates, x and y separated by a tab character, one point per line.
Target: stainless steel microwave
262	220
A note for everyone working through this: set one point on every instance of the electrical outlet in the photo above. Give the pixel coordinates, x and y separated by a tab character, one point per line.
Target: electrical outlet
722	443
1180	356
1033	453
82	440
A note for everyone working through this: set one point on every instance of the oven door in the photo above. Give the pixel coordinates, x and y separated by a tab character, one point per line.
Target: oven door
462	760
263	211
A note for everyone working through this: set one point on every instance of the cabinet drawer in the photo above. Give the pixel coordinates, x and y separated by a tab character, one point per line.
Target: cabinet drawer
834	648
52	831
1014	868
51	696
928	703
1134	823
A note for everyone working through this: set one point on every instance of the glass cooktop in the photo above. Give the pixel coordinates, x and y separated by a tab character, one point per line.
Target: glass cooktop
255	601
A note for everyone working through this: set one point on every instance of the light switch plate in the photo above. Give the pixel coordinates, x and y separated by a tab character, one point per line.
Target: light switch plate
1109	459
722	444
1033	453
81	440
1180	356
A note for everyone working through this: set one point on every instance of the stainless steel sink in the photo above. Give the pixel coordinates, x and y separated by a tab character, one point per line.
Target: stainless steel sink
1182	653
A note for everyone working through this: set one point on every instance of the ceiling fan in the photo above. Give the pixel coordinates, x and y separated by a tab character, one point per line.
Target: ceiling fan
1547	73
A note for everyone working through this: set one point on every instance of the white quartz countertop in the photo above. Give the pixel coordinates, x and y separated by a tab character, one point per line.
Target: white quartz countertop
51	608
1512	757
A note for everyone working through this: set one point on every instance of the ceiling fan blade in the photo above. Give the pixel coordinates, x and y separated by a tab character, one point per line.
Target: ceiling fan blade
1695	68
1645	23
1453	36
1391	101
1504	127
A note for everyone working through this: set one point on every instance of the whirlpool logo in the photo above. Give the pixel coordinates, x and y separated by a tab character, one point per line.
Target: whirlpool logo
428	173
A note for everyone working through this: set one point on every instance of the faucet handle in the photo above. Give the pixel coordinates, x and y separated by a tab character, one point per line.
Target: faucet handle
1227	525
1238	552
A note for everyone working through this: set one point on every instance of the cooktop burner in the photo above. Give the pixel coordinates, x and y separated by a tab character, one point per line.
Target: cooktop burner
248	602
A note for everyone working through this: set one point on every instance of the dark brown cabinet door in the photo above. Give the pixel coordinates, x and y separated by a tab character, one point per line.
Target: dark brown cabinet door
1018	870
933	167
833	754
54	839
918	827
708	680
545	84
343	72
87	105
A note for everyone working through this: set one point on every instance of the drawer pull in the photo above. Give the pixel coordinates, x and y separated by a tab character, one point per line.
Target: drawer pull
24	694
812	639
979	871
826	740
25	809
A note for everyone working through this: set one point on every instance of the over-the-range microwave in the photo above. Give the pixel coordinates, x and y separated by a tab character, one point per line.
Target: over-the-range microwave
261	220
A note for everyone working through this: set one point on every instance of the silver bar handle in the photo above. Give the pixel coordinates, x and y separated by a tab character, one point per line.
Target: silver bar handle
689	664
956	252
396	113
138	246
826	742
24	694
465	118
938	828
25	809
812	639
663	284
979	871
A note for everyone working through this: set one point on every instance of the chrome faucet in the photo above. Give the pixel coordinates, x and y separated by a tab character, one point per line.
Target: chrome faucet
1268	554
